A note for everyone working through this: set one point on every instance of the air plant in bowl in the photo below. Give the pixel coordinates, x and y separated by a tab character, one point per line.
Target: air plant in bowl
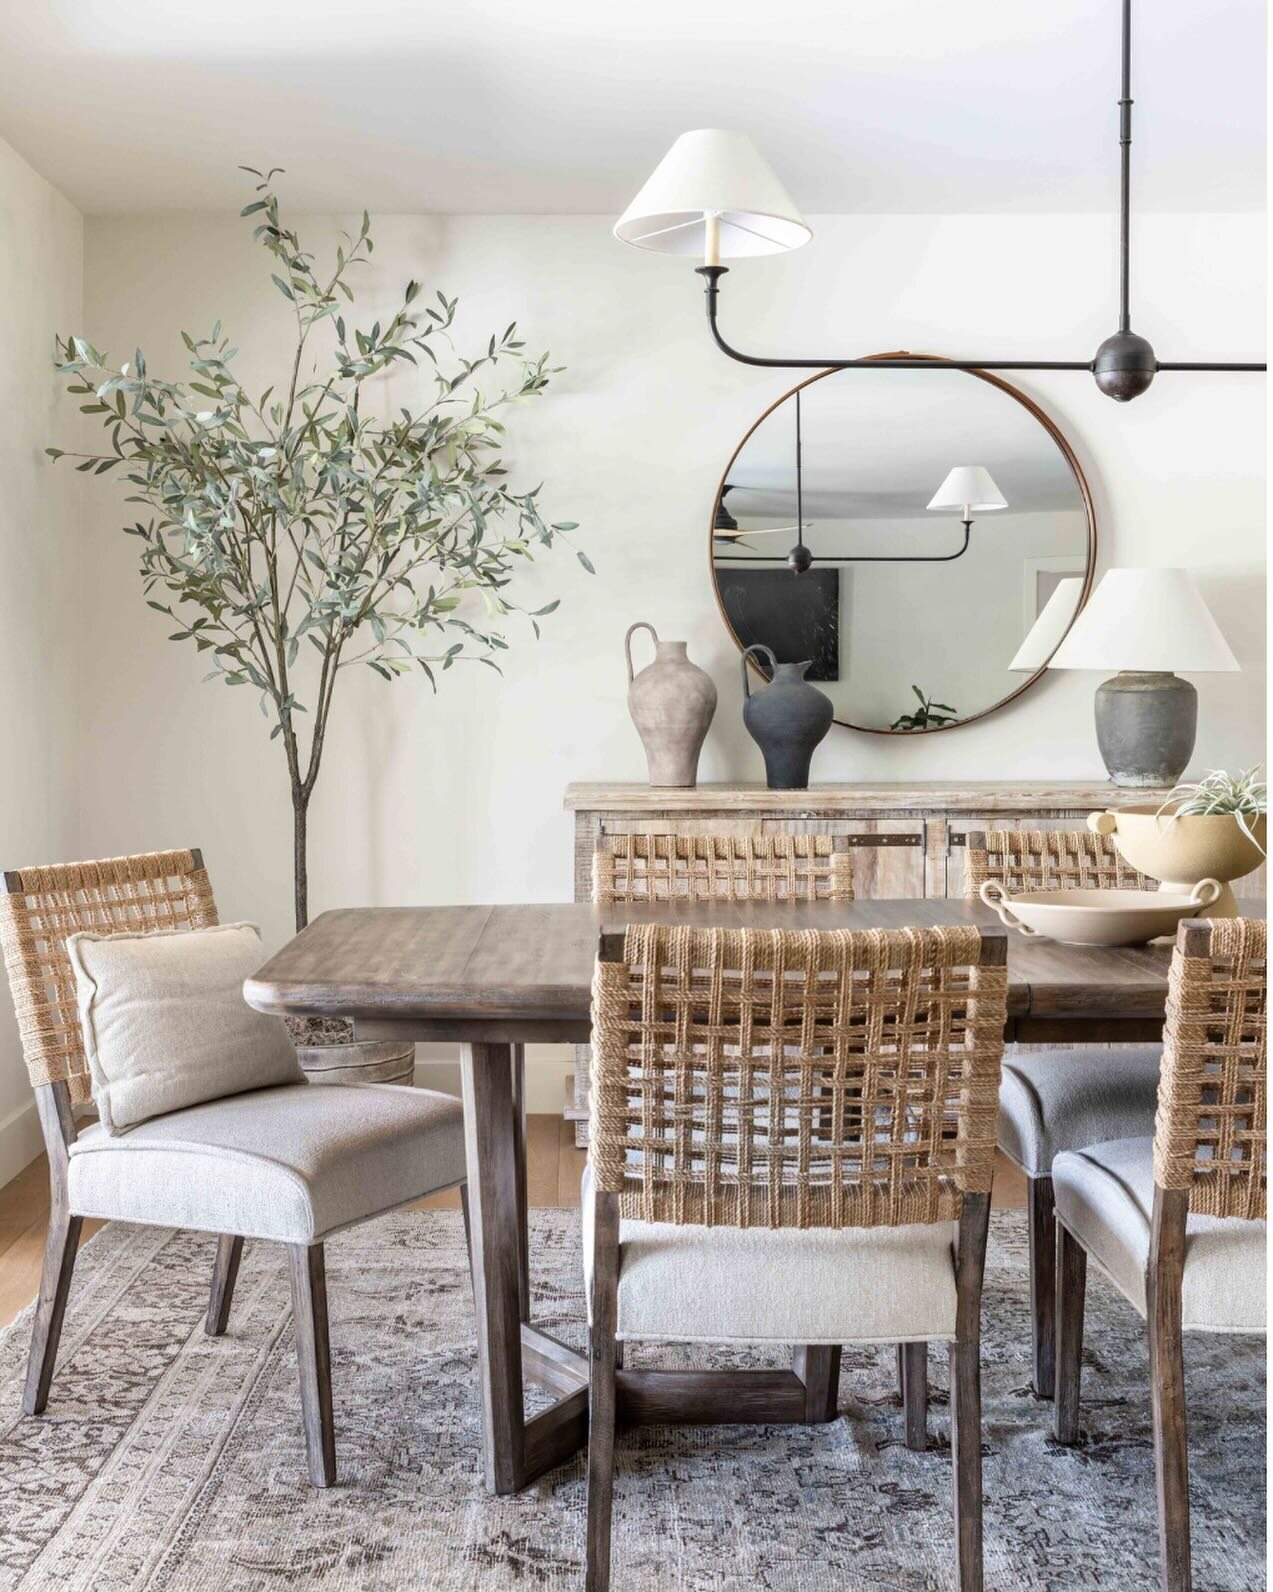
1213	828
1244	795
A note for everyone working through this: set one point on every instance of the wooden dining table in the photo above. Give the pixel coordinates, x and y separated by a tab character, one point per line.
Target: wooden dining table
494	978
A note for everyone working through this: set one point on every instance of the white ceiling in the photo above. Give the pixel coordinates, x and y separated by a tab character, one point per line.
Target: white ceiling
563	106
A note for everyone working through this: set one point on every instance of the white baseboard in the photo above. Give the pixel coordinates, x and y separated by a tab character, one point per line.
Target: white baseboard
20	1141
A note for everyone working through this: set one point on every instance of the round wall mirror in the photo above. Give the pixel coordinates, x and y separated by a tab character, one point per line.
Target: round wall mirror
923	537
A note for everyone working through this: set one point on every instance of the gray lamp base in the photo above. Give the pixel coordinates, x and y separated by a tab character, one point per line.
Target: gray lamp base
1145	727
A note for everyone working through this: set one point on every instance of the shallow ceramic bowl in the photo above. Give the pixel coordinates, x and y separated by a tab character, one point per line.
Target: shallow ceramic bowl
1097	917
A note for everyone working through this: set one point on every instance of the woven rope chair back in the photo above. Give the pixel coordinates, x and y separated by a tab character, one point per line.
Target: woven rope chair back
1048	859
1209	1136
628	868
766	1078
41	907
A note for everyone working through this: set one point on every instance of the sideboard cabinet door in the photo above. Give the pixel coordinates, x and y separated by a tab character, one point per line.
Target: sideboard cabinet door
888	853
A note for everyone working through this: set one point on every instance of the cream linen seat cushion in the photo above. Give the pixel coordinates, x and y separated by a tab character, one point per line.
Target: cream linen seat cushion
1055	1100
757	1285
293	1163
1105	1196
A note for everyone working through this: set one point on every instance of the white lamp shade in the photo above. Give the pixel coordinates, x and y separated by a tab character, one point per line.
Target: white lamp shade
968	486
1050	626
713	173
1146	620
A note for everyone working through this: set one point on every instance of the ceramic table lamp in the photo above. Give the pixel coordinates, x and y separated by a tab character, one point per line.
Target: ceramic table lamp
1146	623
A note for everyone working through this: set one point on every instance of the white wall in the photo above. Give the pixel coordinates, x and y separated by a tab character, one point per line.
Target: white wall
458	797
41	290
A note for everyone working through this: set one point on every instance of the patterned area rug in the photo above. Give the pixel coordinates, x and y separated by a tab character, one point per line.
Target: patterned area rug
169	1460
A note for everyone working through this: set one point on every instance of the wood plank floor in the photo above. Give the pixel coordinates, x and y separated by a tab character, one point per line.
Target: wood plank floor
553	1169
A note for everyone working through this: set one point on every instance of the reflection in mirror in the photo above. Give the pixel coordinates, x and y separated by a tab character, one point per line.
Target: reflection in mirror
923	537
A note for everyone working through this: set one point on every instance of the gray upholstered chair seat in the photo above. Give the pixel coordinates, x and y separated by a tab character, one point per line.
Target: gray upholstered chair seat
1055	1100
1105	1196
293	1163
755	1285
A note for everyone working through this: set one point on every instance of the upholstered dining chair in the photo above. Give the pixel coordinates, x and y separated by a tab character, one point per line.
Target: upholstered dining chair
292	1163
666	867
792	1142
1060	1098
1177	1221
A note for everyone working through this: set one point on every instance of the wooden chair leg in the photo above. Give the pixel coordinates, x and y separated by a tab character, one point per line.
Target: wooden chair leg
55	1285
818	1367
965	1442
225	1273
1167	1386
1042	1228
1071	1294
313	1357
912	1374
601	1405
965	1390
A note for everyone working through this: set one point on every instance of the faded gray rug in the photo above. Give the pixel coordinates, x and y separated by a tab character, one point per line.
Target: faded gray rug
169	1460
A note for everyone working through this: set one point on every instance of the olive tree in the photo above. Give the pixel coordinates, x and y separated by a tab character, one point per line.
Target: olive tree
296	533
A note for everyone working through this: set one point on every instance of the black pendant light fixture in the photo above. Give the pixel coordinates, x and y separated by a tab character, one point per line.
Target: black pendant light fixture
967	488
715	194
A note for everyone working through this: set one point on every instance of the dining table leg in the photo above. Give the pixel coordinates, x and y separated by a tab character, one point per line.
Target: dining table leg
514	1450
518	1054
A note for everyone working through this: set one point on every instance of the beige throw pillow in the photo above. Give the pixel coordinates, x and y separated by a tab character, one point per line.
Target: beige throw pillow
165	1023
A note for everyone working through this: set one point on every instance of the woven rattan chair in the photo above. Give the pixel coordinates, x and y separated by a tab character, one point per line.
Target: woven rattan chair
793	1142
627	868
669	867
1177	1222
1049	859
1060	1099
317	1155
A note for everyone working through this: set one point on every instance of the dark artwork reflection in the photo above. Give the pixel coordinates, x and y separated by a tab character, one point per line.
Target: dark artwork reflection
798	616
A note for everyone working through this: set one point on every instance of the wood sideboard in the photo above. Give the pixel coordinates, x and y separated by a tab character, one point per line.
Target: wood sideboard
907	839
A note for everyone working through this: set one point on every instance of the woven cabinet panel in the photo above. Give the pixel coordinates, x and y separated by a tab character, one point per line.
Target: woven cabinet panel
672	867
1051	859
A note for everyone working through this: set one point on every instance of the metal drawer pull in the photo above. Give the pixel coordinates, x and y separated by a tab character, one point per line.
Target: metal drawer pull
883	840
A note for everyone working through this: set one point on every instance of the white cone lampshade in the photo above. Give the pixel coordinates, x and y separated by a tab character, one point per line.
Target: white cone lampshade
713	179
1050	626
969	486
1150	620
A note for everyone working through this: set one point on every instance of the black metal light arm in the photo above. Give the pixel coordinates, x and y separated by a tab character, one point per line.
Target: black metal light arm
713	274
853	558
1124	364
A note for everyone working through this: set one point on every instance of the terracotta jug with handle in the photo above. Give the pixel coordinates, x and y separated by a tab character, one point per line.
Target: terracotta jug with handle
671	702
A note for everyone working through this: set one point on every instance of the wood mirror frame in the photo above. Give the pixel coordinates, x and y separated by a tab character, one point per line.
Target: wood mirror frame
1032	408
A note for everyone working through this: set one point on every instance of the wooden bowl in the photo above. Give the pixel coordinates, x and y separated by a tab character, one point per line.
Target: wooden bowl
1098	917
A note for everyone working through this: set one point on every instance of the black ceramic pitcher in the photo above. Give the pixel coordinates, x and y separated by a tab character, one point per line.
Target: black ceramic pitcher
786	720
